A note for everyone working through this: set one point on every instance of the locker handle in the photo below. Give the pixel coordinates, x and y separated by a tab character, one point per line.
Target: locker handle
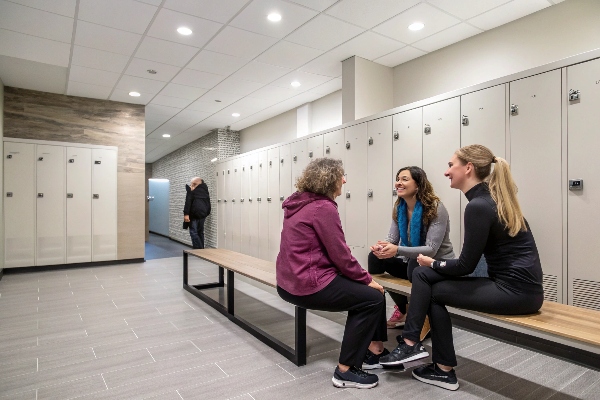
514	109
370	193
370	141
347	195
233	200
295	158
96	196
427	129
396	135
282	160
249	199
394	192
573	95
327	150
241	200
269	199
40	158
97	162
465	120
348	145
40	195
218	201
259	199
71	160
9	156
310	154
224	201
281	198
8	194
69	195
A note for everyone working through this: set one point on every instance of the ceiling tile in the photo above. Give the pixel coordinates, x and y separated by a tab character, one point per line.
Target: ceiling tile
155	110
328	64
107	39
319	5
93	76
240	43
158	132
99	59
249	105
466	9
307	81
176	125
226	98
26	74
254	17
126	15
153	123
170	101
165	52
273	93
449	36
199	79
139	68
86	90
19	45
123	95
142	85
18	18
506	13
368	13
207	105
61	7
260	72
288	55
400	56
434	20
238	86
216	63
199	130
324	33
166	23
215	10
182	91
192	116
152	2
329	87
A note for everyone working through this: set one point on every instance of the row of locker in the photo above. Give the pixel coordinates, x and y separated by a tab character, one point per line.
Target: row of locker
60	204
525	121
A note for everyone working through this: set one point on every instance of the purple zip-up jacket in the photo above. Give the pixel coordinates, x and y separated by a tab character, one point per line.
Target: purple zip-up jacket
313	249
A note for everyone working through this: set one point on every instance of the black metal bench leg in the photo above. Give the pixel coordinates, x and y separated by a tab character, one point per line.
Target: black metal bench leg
230	293
300	336
185	269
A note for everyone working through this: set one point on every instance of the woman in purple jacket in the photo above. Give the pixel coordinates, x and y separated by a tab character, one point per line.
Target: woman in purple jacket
315	270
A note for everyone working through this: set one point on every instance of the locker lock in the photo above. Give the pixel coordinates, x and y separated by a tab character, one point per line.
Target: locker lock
251	167
396	135
327	150
69	195
295	158
233	200
260	165
465	120
427	129
370	193
40	195
310	154
225	201
394	192
573	95
218	201
227	172
241	200
40	158
259	199
347	195
243	168
71	160
9	156
281	198
514	109
96	196
8	194
97	162
370	141
249	199
282	160
575	184
270	163
269	199
348	145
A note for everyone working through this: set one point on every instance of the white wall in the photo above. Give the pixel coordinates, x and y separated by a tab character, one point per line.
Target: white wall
326	112
554	33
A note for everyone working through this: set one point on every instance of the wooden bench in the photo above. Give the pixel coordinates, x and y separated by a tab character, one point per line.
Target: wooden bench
258	270
563	330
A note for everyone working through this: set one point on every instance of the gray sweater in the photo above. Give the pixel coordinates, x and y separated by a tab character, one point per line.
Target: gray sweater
437	242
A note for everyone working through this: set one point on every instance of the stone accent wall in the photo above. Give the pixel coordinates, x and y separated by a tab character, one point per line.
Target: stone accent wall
194	160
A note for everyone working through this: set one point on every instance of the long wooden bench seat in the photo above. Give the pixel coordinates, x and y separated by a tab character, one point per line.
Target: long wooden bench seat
258	270
575	331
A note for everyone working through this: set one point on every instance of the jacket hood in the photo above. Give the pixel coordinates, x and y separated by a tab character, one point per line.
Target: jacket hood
299	200
201	191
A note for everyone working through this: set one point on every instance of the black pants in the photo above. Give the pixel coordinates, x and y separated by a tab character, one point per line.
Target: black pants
197	233
395	267
366	320
432	292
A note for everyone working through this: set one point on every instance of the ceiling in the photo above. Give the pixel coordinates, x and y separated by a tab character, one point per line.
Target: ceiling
104	48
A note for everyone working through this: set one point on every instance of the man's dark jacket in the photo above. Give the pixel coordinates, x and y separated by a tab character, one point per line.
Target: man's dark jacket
197	202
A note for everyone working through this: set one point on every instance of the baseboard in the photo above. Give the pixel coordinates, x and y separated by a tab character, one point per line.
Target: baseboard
559	350
181	242
42	268
160	234
170	238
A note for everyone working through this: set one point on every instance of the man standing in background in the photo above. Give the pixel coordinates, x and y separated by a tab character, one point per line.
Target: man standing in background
196	209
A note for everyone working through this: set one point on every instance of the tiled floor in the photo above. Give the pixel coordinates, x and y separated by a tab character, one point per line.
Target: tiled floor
131	332
159	246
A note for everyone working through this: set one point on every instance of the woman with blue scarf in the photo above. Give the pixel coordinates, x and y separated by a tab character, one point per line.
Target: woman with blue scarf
420	225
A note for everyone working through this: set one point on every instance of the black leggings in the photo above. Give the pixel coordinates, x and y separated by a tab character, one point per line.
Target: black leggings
396	267
432	292
366	320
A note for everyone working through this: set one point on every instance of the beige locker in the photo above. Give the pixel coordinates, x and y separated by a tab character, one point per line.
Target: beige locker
228	205
441	138
104	205
221	196
263	205
252	205
355	191
334	147
583	200
314	147
300	160
19	205
50	205
380	193
285	180
535	140
244	205
274	205
79	204
408	139
236	188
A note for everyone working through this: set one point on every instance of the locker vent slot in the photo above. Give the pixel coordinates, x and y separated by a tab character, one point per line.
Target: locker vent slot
586	294
550	288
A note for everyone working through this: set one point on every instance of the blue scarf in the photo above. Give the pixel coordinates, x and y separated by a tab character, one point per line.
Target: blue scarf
415	224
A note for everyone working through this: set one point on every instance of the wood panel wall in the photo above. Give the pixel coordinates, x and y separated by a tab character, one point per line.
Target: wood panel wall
37	115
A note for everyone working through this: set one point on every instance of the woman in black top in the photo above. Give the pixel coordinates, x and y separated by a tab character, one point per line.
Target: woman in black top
494	227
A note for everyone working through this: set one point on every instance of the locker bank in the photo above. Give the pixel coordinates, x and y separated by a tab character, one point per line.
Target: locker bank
109	108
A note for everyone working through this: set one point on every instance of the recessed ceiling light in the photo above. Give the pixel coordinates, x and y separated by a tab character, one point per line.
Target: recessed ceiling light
184	31
235	115
296	84
218	101
166	135
134	94
416	26
152	71
274	17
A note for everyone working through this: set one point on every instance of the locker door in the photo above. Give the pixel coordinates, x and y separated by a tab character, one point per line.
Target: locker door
356	191
334	147
236	188
228	205
285	181
535	140
220	206
79	204
485	124
274	205
50	213
314	147
300	160
381	176
583	214
408	139
252	205
263	205
104	205
243	206
443	119
19	205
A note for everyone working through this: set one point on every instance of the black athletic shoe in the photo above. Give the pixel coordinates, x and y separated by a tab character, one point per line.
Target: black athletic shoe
372	360
354	378
404	353
433	375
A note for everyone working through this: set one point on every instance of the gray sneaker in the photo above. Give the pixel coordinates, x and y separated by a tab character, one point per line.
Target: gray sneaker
354	378
404	353
433	375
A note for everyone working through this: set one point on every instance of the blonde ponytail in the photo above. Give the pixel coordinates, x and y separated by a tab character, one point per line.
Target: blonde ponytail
502	186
